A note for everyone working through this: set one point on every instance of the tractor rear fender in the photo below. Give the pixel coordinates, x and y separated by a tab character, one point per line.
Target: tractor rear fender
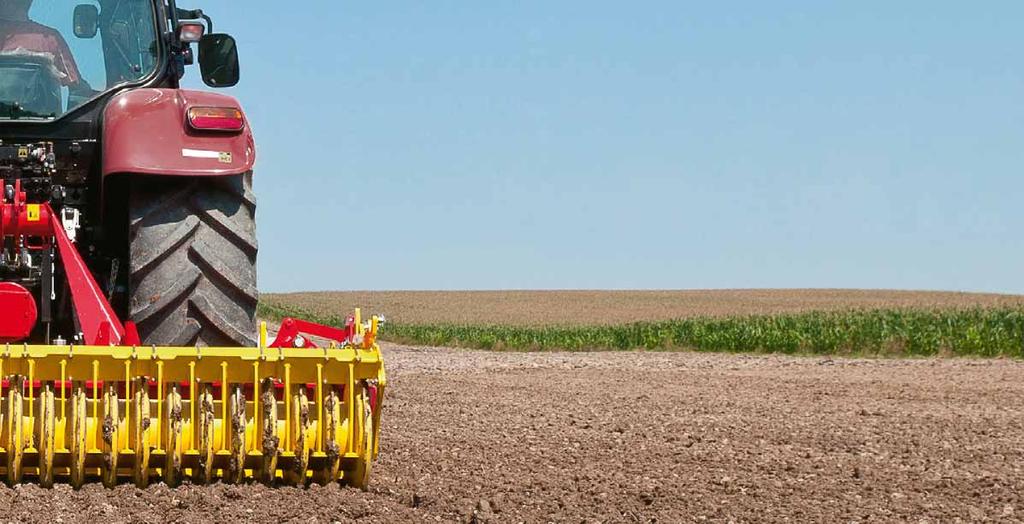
146	131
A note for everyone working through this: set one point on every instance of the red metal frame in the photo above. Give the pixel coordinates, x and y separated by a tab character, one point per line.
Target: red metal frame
99	324
292	328
146	132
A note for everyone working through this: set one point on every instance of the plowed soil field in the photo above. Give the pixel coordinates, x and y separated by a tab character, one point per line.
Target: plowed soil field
643	437
534	308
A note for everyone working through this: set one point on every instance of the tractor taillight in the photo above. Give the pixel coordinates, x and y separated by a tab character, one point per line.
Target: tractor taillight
190	31
216	118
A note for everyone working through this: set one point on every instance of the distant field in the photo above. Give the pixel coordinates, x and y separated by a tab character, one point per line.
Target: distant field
589	308
844	322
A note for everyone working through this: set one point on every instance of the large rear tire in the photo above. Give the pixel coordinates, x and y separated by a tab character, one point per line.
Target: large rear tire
193	260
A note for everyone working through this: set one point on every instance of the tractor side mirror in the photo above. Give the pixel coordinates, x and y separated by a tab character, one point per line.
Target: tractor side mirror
218	60
86	20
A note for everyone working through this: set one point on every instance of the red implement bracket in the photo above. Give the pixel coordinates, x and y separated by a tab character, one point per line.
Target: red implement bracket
292	328
98	322
96	319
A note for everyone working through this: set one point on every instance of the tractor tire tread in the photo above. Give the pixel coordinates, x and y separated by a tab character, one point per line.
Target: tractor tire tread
192	258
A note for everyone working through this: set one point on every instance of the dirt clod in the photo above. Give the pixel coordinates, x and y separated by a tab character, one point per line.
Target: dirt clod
108	430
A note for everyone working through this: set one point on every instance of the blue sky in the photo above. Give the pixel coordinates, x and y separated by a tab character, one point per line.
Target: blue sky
539	144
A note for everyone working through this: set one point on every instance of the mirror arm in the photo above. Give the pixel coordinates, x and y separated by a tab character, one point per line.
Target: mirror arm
187	14
193	14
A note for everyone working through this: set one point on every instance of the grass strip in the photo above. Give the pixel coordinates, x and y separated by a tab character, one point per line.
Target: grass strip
985	332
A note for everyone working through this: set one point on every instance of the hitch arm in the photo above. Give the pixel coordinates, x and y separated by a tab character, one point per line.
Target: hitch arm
98	322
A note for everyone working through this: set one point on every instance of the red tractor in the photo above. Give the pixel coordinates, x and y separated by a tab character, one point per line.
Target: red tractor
150	183
128	339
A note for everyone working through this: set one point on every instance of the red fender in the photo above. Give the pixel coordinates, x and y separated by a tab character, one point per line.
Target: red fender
146	131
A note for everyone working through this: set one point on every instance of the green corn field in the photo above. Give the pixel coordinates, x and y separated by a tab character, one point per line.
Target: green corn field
967	332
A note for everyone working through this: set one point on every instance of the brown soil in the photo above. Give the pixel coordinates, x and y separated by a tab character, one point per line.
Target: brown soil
634	437
616	307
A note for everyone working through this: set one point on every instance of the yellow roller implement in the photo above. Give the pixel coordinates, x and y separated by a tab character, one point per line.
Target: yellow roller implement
290	414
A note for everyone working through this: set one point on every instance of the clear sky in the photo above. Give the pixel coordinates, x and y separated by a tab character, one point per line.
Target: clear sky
590	144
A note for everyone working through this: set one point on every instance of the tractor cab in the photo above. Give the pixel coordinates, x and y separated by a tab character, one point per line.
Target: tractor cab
56	56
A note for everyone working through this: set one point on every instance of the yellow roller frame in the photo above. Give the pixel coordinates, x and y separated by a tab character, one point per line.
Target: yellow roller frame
300	435
80	413
204	423
268	431
334	435
47	435
173	437
364	446
140	431
109	435
15	442
77	436
236	412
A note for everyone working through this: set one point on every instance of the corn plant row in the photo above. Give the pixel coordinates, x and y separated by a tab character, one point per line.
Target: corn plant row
974	332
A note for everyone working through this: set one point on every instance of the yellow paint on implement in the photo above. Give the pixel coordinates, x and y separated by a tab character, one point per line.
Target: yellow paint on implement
79	424
140	436
47	432
73	413
15	441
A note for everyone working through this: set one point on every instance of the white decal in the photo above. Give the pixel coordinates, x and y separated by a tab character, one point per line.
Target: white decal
200	153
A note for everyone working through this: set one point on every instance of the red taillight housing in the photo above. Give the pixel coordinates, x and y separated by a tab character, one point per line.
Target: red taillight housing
190	31
216	118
